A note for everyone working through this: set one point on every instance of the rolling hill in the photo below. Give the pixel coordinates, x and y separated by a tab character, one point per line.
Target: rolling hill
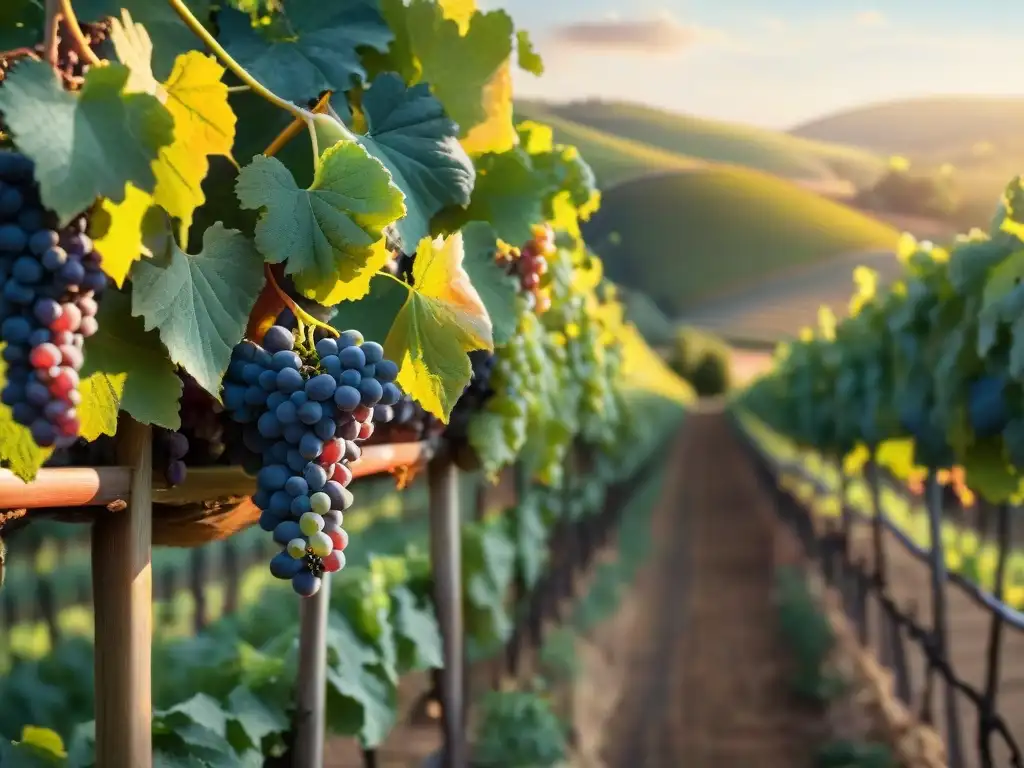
715	141
932	126
685	237
614	159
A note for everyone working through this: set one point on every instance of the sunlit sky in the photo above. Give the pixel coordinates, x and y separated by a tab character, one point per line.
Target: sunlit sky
774	63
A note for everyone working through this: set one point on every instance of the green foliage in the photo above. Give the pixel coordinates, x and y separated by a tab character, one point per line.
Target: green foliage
88	145
927	371
518	729
809	636
225	694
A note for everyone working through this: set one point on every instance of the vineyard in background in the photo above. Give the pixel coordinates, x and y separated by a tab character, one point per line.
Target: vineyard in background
275	277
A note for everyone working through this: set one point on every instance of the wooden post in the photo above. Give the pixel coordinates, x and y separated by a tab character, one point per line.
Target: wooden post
122	580
446	564
311	693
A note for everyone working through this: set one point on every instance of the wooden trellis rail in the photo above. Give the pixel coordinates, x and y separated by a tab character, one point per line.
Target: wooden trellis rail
118	501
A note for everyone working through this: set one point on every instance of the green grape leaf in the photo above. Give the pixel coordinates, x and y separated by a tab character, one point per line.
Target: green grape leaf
330	236
131	367
410	134
487	568
84	145
509	195
253	719
441	321
319	52
43	742
360	701
399	56
988	473
529	59
417	632
200	303
459	67
21	23
531	539
168	32
18	451
497	289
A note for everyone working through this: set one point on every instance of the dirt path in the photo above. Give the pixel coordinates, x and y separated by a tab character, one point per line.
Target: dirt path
709	685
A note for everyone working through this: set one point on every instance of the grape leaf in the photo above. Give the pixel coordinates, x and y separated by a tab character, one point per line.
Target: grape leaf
529	59
410	134
509	194
200	303
132	366
459	67
168	32
360	701
204	123
255	718
419	637
320	51
118	231
441	321
497	288
496	132
18	451
84	145
330	236
21	23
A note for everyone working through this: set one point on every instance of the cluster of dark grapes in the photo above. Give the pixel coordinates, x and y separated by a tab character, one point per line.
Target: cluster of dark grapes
303	413
474	396
404	422
51	280
530	263
200	438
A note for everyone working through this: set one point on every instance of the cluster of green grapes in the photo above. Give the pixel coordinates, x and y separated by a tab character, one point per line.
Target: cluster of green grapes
522	376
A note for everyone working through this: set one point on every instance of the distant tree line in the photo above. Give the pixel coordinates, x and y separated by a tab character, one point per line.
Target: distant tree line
702	359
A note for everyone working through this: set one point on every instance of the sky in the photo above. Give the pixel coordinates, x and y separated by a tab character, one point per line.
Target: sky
772	63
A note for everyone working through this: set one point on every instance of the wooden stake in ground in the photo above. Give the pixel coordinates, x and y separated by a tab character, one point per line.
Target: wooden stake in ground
122	578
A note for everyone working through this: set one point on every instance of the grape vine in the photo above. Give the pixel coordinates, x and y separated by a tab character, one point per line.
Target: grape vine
253	195
924	375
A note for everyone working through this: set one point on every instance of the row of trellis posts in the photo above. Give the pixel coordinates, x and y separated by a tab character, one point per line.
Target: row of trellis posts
122	541
858	578
119	501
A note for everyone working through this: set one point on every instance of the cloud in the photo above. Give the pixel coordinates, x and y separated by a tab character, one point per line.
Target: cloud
652	36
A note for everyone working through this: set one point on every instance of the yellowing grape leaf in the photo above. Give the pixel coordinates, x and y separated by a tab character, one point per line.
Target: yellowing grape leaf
329	236
443	319
200	303
132	369
118	231
87	144
459	11
496	132
204	123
